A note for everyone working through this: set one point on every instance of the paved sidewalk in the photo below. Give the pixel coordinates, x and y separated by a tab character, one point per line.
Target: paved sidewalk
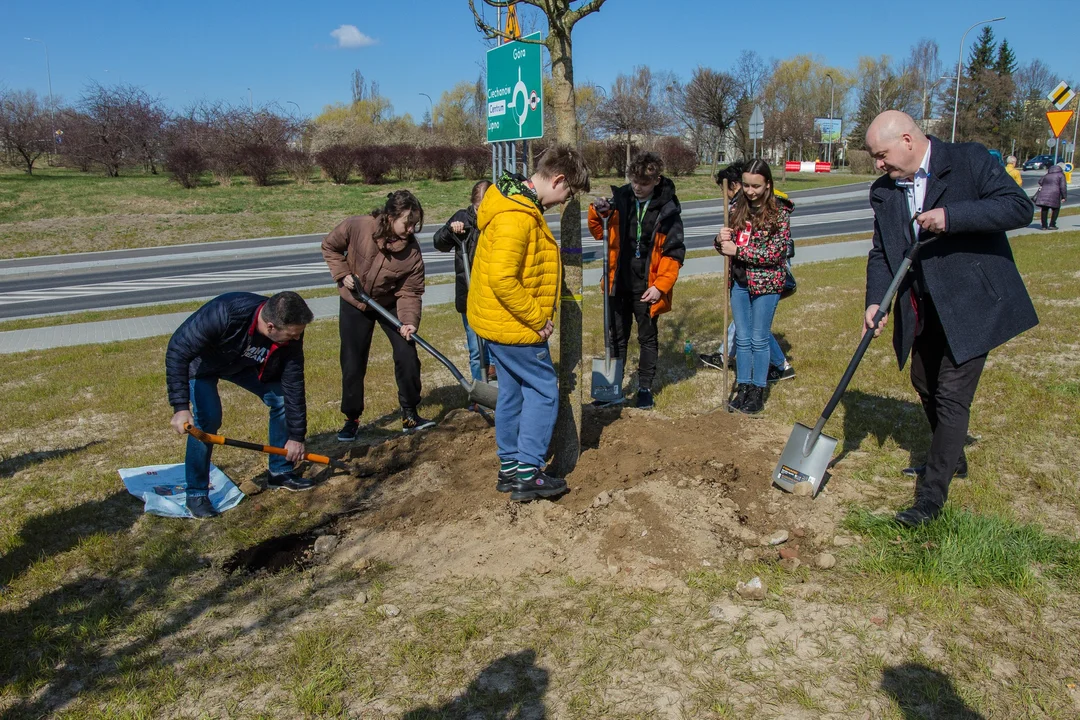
14	341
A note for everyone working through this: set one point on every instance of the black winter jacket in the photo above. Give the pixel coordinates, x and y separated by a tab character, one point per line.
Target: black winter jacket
969	273
446	241
211	343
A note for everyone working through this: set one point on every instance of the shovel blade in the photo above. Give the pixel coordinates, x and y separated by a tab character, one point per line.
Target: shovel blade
482	393
796	467
607	376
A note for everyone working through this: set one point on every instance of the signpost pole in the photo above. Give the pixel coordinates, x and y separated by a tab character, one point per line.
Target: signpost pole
1076	121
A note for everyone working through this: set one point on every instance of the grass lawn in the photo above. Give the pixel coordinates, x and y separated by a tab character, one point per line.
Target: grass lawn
58	210
107	612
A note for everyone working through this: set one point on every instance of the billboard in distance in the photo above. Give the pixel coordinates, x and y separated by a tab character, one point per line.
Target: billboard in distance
830	129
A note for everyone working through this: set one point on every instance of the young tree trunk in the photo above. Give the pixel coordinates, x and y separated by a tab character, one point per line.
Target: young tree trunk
566	441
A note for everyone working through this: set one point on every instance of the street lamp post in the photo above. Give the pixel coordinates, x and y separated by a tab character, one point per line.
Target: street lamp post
52	106
959	62
832	89
300	138
251	103
431	112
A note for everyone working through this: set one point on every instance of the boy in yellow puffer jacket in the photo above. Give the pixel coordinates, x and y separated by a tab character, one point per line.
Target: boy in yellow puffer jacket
513	292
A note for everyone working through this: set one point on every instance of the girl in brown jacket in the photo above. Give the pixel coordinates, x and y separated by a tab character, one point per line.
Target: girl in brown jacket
381	251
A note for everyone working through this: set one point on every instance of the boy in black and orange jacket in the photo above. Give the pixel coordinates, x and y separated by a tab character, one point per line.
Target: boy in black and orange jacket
645	252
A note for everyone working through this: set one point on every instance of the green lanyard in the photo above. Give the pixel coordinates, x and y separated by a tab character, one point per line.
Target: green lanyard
642	209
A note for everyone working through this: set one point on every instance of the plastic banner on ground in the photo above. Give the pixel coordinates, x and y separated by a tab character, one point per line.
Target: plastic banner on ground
162	488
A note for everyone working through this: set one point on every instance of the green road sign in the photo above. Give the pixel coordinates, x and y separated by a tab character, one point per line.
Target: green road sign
515	106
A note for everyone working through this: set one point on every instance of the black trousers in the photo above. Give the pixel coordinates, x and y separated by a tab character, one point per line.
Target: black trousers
946	390
1053	215
623	310
355	329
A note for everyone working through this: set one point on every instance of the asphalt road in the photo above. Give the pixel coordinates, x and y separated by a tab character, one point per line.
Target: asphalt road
90	281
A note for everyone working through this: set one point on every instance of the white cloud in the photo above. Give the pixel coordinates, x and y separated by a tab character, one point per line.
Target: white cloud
349	36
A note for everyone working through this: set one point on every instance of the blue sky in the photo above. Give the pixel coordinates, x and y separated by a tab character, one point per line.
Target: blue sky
283	52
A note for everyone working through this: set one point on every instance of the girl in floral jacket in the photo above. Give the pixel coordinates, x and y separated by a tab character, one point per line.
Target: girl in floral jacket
757	279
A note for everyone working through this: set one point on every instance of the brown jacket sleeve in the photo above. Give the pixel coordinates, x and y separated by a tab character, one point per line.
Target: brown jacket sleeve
334	247
408	297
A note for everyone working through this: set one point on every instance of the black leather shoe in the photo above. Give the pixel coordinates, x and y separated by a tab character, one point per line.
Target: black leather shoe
201	507
754	402
506	481
961	471
644	399
917	514
740	397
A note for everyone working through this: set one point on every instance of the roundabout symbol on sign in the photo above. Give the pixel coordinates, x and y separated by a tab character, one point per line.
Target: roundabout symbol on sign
529	101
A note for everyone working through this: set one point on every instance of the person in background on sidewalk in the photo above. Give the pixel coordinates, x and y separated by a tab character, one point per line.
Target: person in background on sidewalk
1052	192
381	252
256	343
757	279
779	367
459	232
1010	168
963	296
515	287
645	252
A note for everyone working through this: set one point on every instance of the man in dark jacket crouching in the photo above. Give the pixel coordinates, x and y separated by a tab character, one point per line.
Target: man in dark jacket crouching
254	342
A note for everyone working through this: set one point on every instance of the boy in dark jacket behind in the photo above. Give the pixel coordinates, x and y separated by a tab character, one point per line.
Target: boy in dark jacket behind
645	252
460	232
254	342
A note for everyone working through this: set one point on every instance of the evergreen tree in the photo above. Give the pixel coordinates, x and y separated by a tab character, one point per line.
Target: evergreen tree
975	121
1006	59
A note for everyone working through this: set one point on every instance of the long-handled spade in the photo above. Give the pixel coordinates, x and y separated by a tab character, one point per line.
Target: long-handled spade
468	281
479	392
211	439
808	451
607	374
727	301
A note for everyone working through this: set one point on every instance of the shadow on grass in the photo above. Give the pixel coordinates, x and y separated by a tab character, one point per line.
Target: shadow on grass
56	532
12	465
922	692
99	635
511	687
882	418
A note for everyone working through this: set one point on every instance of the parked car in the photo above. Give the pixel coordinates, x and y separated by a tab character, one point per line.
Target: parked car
1039	162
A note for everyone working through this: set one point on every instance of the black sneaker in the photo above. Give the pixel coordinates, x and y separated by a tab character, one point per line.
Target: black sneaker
506	481
754	402
777	374
411	421
715	360
289	481
348	431
644	399
740	397
541	486
201	507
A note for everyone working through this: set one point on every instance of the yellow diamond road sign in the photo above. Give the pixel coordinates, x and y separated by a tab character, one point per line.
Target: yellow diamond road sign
1061	95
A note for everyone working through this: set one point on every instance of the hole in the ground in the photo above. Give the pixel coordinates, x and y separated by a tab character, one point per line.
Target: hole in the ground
274	555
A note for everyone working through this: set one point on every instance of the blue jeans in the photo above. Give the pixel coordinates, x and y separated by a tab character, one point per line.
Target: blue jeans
478	353
776	354
206	410
528	401
753	328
